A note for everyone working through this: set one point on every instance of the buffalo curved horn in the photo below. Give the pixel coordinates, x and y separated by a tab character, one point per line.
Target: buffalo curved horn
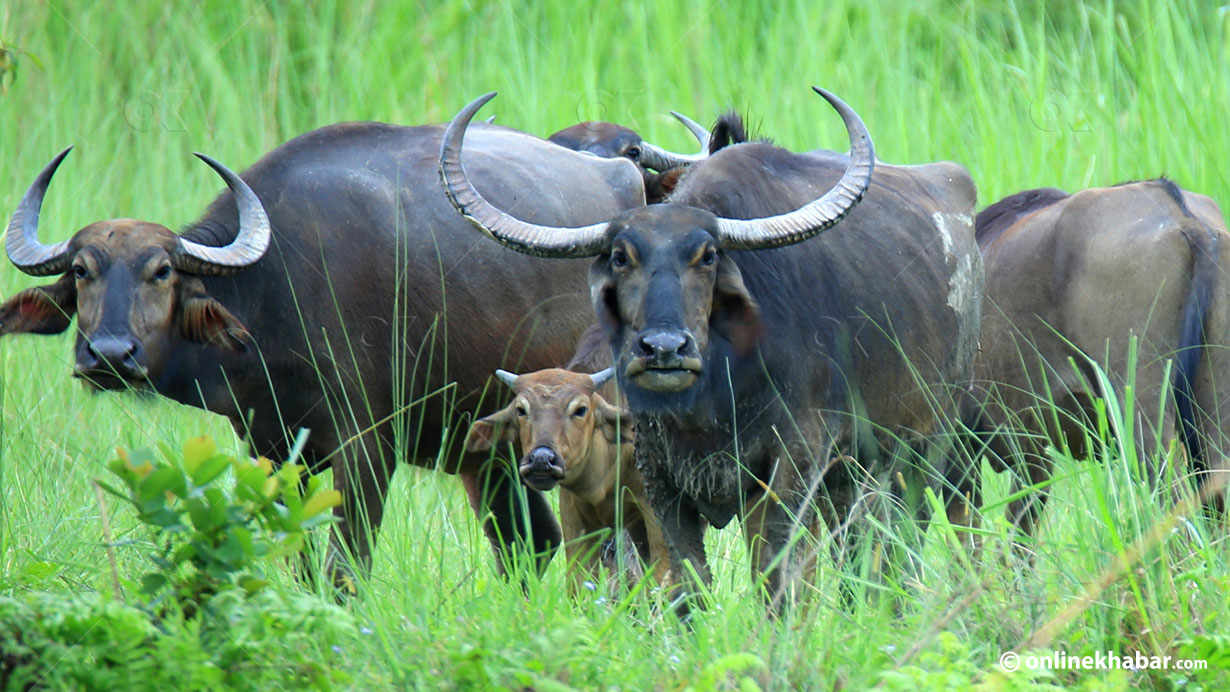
21	239
508	378
250	243
659	159
588	241
522	236
814	217
698	131
602	377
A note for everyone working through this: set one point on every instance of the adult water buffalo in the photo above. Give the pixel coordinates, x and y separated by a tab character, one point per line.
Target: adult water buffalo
660	168
756	364
372	319
1073	280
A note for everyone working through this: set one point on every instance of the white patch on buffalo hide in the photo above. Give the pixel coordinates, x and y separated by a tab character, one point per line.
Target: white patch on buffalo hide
961	282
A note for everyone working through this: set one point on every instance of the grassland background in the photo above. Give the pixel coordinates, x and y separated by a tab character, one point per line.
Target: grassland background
1067	94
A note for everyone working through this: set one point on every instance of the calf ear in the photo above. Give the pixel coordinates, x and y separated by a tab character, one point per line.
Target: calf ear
735	314
612	420
40	310
494	428
203	320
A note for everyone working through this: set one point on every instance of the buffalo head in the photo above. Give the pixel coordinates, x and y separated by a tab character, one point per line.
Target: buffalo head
662	282
660	168
556	414
134	286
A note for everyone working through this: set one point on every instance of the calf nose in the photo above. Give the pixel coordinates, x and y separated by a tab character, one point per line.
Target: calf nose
662	343
542	459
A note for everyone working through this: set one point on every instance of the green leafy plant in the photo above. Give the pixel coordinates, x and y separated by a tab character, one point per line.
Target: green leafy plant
215	534
219	625
268	640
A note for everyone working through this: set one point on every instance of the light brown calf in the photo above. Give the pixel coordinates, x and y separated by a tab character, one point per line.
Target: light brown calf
572	437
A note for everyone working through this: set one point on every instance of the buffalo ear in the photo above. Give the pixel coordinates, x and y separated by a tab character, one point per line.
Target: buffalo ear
203	320
735	314
494	428
602	294
660	186
615	422
40	310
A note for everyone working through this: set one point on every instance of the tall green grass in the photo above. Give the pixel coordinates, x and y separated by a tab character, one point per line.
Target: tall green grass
1022	94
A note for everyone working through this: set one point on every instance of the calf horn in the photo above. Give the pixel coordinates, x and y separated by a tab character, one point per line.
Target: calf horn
508	378
659	159
250	242
21	239
602	377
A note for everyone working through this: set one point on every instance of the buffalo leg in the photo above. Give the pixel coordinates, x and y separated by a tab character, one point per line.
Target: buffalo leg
843	505
680	522
515	519
777	561
781	529
582	544
362	477
683	533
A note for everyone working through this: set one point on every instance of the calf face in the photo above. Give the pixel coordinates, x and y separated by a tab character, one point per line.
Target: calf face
558	416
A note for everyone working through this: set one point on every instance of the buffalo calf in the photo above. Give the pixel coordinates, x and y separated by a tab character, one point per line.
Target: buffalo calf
574	438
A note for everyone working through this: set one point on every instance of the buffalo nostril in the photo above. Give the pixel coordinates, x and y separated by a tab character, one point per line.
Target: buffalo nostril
542	458
113	351
664	343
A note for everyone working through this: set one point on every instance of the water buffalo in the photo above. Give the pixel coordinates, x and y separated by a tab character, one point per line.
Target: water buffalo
1074	280
759	367
369	320
571	436
660	168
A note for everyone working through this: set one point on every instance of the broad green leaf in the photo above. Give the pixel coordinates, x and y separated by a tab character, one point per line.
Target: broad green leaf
210	469
152	583
321	501
160	481
197	451
252	584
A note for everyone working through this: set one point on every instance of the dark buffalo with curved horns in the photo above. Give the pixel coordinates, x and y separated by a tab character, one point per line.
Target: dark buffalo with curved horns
754	362
353	302
660	168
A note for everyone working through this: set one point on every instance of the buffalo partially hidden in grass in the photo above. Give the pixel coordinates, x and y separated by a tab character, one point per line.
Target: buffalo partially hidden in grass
660	168
756	364
571	436
1076	280
336	290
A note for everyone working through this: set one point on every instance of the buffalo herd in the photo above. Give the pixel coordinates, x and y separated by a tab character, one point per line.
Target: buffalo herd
810	342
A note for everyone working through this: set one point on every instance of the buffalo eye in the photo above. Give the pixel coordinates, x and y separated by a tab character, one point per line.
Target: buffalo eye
80	272
633	152
581	411
619	258
708	257
163	273
521	412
